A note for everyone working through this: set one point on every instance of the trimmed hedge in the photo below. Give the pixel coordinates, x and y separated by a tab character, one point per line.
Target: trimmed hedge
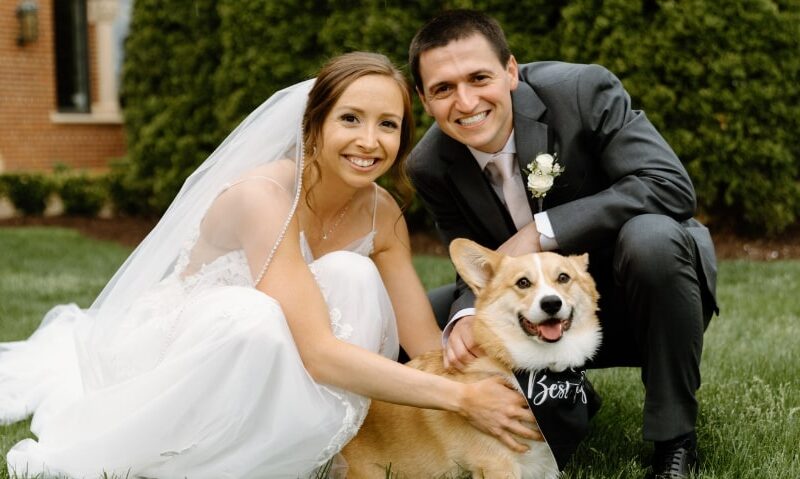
719	78
28	192
80	193
721	81
168	95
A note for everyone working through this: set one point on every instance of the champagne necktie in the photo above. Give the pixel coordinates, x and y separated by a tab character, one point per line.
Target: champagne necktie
505	174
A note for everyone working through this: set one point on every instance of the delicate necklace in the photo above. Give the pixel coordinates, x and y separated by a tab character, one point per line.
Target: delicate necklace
338	220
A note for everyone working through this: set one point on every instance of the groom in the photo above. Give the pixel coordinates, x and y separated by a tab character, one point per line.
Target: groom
623	196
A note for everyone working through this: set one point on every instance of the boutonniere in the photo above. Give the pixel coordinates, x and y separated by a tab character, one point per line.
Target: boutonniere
543	170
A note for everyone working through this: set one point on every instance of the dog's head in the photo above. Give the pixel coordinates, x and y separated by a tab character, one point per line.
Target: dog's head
533	311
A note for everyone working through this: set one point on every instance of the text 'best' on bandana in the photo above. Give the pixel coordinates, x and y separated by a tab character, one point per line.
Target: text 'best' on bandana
563	403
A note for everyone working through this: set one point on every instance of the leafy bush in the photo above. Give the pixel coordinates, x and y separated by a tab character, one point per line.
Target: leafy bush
28	192
128	193
719	78
171	55
721	81
81	194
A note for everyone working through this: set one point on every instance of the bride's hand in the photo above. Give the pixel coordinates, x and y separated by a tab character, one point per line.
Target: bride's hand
495	408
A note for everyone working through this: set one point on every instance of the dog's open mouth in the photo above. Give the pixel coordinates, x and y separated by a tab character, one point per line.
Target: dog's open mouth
550	330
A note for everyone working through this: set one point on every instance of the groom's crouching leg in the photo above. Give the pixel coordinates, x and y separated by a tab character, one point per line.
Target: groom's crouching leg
656	271
441	300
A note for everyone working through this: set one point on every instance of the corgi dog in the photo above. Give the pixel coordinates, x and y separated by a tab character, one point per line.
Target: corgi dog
533	312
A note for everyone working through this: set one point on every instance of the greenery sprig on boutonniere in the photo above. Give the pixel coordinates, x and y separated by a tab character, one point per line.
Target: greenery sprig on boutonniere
543	171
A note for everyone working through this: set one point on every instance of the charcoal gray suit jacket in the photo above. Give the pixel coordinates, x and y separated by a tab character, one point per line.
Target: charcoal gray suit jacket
616	166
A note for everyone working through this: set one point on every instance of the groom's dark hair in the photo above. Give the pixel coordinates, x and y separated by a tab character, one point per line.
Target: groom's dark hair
455	25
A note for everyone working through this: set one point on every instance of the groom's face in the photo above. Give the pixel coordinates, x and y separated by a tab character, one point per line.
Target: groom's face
468	91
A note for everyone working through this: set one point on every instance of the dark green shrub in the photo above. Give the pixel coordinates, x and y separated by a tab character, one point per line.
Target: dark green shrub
172	53
193	70
128	193
28	192
265	46
721	81
719	78
82	195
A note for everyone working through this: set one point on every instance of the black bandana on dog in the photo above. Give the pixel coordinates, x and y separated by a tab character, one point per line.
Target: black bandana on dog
562	402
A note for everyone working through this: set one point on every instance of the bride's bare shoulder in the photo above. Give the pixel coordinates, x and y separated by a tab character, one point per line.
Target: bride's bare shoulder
261	196
387	207
389	222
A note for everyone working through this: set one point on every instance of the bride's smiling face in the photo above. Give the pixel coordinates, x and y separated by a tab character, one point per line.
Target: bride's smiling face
362	133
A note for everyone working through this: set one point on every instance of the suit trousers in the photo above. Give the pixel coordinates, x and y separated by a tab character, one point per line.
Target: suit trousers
654	309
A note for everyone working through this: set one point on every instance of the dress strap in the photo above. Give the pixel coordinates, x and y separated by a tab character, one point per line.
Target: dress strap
375	206
256	177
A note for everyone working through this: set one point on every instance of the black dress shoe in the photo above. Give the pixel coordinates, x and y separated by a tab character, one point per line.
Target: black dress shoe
675	459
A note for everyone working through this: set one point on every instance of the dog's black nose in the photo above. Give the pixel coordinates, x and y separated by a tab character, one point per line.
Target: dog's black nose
550	304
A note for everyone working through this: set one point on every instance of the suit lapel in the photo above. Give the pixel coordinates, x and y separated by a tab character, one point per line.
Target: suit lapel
530	135
531	138
469	184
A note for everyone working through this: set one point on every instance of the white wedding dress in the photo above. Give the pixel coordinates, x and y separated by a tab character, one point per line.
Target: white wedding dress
207	384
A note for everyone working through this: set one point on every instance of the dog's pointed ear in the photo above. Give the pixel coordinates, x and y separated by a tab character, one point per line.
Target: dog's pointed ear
473	262
580	261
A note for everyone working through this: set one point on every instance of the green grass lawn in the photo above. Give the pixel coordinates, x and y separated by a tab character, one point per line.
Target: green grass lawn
749	425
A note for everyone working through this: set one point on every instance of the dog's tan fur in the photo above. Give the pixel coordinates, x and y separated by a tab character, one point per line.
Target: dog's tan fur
424	443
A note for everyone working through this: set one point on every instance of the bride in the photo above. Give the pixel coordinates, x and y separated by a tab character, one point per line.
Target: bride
243	337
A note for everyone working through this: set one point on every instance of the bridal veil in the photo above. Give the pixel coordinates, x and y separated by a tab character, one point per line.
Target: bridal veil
270	133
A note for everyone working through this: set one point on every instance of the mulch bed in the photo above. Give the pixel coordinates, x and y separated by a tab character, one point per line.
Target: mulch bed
130	231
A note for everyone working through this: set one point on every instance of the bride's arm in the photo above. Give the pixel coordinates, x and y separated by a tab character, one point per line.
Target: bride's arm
416	324
489	404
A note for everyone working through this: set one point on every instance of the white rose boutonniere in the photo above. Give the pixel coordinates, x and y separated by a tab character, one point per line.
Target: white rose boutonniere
543	171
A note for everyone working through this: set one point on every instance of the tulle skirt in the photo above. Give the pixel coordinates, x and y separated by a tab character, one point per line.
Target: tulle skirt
229	399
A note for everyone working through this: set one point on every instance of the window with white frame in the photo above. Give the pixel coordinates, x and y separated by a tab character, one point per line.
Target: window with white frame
72	56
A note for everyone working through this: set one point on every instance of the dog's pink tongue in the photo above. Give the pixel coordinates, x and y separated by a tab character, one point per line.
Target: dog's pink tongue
551	330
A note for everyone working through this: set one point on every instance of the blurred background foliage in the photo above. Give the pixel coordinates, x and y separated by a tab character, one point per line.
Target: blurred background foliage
718	78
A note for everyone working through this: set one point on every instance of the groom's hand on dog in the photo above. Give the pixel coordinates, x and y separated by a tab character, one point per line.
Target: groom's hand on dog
524	241
493	401
461	348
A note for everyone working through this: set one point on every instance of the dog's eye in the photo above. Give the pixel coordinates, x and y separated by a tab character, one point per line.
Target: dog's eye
563	278
523	283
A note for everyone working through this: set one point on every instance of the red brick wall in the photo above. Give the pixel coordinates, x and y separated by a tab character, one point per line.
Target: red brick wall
29	140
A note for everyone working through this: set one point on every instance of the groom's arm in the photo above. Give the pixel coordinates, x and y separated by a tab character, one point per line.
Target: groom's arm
642	171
